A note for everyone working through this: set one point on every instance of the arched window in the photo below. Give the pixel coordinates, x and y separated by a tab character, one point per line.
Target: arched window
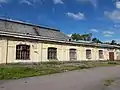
88	54
52	53
101	54
22	52
73	54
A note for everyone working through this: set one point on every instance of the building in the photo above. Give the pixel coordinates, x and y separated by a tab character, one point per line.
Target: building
24	42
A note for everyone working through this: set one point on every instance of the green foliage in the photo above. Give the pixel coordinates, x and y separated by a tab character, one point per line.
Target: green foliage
113	42
52	62
108	82
76	36
85	37
16	71
95	40
113	62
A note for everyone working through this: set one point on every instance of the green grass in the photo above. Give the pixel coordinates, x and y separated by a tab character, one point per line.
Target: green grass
17	71
108	82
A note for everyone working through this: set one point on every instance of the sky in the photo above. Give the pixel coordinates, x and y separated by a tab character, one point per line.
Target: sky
100	17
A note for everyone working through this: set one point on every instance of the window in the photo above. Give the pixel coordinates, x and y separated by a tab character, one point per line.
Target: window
101	54
23	52
52	53
73	55
88	54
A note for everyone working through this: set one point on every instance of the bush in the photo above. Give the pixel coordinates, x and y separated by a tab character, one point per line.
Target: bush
52	63
112	62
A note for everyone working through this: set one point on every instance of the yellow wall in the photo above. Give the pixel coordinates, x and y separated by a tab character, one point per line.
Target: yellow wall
63	52
35	51
38	51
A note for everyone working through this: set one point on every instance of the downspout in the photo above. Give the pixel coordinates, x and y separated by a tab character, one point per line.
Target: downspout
41	50
6	43
7	51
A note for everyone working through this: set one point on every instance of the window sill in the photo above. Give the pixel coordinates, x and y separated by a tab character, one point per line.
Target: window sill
101	58
53	59
88	58
22	59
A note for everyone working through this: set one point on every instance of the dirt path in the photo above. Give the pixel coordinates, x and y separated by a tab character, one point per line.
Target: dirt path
91	79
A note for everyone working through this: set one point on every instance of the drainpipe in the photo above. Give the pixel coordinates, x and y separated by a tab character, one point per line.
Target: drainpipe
6	42
7	51
41	50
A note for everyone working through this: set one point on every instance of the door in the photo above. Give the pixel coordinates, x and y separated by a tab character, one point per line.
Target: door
111	55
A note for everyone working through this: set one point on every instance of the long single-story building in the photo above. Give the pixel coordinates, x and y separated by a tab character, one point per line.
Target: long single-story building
25	42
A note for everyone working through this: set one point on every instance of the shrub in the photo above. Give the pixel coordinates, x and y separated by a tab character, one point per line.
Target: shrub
112	62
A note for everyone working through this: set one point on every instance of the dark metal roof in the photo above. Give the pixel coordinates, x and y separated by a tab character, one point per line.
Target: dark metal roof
20	29
13	26
26	23
31	37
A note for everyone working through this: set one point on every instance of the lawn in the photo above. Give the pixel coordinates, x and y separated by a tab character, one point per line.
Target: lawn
17	71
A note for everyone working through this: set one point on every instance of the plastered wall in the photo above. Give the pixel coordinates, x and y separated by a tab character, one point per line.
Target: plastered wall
39	51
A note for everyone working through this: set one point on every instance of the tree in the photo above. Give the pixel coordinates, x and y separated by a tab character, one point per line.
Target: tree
75	36
85	37
95	40
89	36
113	42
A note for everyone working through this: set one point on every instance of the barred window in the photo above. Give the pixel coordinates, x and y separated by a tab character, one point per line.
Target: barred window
22	52
73	54
88	54
101	54
52	53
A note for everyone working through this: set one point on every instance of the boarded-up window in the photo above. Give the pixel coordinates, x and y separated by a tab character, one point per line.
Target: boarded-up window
52	53
22	52
101	54
88	54
73	54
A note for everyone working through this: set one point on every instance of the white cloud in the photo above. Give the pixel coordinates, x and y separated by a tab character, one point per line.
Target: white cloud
118	4
4	1
93	2
116	26
58	2
108	33
114	15
94	30
69	35
79	16
26	2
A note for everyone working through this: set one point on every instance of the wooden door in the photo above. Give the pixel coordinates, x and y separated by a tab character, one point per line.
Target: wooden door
111	55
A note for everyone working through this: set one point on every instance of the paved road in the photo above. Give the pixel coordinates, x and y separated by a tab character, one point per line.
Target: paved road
91	79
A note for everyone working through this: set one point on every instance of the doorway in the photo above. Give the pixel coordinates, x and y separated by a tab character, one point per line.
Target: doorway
111	56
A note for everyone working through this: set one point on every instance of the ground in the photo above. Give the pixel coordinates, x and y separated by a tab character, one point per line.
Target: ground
87	79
